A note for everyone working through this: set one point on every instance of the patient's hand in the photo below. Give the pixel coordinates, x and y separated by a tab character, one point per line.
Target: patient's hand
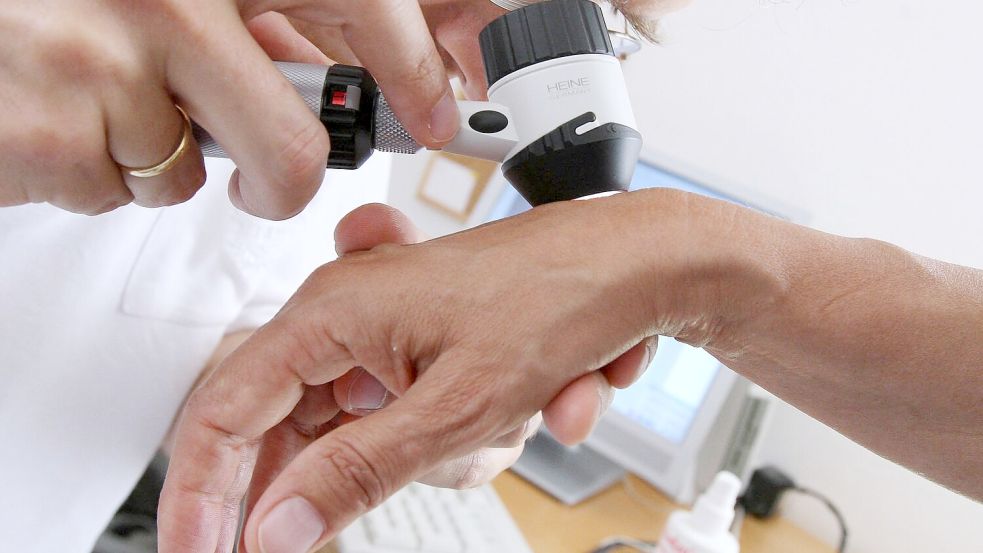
475	333
359	394
320	408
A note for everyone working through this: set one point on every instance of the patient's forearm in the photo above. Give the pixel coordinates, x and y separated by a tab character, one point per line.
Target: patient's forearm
883	345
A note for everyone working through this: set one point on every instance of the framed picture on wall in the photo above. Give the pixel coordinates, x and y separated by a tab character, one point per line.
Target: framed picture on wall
453	184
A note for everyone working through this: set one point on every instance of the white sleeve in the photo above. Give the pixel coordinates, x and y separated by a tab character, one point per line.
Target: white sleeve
309	241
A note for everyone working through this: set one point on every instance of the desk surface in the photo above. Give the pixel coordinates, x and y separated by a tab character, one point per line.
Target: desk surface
632	509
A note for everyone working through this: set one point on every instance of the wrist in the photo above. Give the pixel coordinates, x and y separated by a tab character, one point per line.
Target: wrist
704	267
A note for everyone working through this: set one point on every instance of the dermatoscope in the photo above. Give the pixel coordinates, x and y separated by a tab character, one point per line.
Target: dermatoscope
558	116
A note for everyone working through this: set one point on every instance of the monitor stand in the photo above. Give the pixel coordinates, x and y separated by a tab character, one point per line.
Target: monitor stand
570	474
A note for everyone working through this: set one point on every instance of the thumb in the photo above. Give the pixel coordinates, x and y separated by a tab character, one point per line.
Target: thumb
354	468
374	224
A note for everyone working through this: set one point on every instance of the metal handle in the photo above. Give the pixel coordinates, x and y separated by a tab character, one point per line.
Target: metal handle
309	81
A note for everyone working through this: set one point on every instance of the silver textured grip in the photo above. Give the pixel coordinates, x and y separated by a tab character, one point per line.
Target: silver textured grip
307	78
390	136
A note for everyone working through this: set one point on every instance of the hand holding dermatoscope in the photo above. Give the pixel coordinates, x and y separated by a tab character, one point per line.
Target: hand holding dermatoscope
558	118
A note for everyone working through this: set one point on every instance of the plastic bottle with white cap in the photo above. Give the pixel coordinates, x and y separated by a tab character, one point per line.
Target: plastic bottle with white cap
705	529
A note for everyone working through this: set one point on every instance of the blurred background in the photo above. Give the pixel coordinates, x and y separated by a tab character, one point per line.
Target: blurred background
856	117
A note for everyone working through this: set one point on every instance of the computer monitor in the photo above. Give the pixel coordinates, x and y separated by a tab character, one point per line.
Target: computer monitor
657	427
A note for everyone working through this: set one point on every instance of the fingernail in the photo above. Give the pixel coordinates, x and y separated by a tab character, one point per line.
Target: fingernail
366	394
235	192
445	119
293	526
649	354
606	395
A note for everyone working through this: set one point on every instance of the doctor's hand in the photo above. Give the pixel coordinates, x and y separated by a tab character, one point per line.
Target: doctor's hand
475	333
89	93
359	394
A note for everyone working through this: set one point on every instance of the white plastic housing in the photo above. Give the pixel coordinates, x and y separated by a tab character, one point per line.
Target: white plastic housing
543	96
491	146
539	98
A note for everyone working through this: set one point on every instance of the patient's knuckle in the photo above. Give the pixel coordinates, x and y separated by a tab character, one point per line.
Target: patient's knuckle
305	338
470	400
321	275
346	460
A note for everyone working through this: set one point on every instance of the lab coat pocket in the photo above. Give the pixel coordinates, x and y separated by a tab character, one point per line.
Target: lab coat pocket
200	265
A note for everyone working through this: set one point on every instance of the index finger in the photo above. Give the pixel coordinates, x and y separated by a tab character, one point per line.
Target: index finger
352	469
392	40
220	429
395	44
230	87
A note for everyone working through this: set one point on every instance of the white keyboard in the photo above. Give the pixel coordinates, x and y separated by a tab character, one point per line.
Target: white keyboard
422	519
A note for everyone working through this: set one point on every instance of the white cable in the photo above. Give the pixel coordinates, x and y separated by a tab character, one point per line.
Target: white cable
514	4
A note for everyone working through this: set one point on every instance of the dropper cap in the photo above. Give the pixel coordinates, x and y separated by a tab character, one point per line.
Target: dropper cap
714	510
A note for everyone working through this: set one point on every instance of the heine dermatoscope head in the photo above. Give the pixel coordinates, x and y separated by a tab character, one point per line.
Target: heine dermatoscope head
558	115
553	65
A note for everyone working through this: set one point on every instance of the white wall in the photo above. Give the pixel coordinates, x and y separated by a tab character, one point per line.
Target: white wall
408	171
868	114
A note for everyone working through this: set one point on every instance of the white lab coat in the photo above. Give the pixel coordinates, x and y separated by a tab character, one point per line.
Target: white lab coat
105	323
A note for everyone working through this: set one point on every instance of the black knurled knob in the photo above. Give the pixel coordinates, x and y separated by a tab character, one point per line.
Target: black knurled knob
541	32
349	126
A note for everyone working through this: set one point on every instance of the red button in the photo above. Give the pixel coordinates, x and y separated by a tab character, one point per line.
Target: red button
338	98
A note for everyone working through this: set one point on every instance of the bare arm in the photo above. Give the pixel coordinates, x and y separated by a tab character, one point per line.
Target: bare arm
879	343
477	331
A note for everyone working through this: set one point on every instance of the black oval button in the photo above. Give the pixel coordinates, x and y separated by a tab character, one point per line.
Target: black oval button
488	122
